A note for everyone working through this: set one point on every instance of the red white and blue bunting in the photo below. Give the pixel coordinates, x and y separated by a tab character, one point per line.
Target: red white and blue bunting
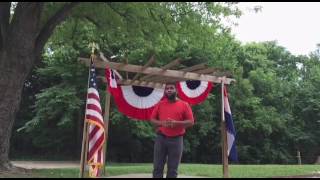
138	102
194	91
133	101
142	97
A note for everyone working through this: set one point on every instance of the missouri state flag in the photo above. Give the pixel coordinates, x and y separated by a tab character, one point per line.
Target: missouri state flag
231	133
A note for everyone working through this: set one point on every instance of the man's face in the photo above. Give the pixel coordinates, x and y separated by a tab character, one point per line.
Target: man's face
170	91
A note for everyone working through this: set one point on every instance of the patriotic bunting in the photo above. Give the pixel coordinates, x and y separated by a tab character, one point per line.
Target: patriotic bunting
194	91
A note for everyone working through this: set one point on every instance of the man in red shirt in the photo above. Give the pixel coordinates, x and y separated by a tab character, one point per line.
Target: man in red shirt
171	117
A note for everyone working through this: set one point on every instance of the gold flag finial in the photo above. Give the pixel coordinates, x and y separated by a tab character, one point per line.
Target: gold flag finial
93	46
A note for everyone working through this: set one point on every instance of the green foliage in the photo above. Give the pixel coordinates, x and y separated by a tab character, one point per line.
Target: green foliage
274	101
57	108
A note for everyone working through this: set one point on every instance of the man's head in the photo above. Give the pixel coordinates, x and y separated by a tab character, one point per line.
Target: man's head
170	91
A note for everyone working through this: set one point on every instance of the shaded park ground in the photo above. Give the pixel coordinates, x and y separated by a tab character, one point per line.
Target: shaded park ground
71	169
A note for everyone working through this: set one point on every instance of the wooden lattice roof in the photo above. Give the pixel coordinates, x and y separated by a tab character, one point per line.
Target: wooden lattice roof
156	77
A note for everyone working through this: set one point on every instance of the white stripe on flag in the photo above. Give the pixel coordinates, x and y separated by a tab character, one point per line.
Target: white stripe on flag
230	139
95	138
226	105
230	129
113	82
94	113
94	91
91	127
94	102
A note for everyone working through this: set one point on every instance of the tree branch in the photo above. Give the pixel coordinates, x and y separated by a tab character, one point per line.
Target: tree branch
123	15
153	16
4	21
51	24
93	21
74	30
23	27
164	25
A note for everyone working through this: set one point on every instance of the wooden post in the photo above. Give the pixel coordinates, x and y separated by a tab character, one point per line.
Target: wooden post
106	125
299	157
127	75
84	147
224	147
84	150
85	135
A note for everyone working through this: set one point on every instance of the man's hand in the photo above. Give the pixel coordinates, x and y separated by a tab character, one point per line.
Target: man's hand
171	123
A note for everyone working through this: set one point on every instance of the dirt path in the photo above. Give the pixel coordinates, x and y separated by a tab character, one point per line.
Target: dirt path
46	164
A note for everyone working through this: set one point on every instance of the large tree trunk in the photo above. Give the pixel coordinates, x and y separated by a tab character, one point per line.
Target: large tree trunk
11	85
21	43
16	61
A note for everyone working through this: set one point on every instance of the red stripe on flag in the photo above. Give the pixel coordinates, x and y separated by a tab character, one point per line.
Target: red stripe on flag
93	132
95	119
99	155
93	96
94	107
96	146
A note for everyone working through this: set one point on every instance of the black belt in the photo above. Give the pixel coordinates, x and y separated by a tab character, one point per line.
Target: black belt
165	136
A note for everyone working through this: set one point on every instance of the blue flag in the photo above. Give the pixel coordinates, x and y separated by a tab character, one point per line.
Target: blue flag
231	133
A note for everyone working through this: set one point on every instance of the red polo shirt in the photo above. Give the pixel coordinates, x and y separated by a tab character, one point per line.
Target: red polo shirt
178	110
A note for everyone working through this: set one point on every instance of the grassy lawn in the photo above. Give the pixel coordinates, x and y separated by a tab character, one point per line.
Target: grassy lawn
235	171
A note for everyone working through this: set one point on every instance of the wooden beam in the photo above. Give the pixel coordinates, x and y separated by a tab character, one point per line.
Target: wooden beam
158	71
167	66
163	79
214	71
151	61
206	71
102	57
136	83
143	83
191	69
195	67
168	80
222	73
172	64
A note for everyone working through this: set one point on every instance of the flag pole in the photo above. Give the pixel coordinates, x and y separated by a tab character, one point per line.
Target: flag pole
84	148
84	139
224	147
106	125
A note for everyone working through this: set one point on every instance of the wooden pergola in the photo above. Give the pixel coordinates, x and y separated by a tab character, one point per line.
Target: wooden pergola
157	77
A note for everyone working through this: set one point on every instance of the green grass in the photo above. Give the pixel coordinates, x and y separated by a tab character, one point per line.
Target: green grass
250	171
235	171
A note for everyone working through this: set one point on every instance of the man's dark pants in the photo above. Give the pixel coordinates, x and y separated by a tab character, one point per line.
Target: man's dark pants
163	147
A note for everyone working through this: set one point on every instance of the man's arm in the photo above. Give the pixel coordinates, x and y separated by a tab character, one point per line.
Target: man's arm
185	123
172	123
158	123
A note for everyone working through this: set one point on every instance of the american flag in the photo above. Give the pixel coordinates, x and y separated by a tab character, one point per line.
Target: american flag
96	126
